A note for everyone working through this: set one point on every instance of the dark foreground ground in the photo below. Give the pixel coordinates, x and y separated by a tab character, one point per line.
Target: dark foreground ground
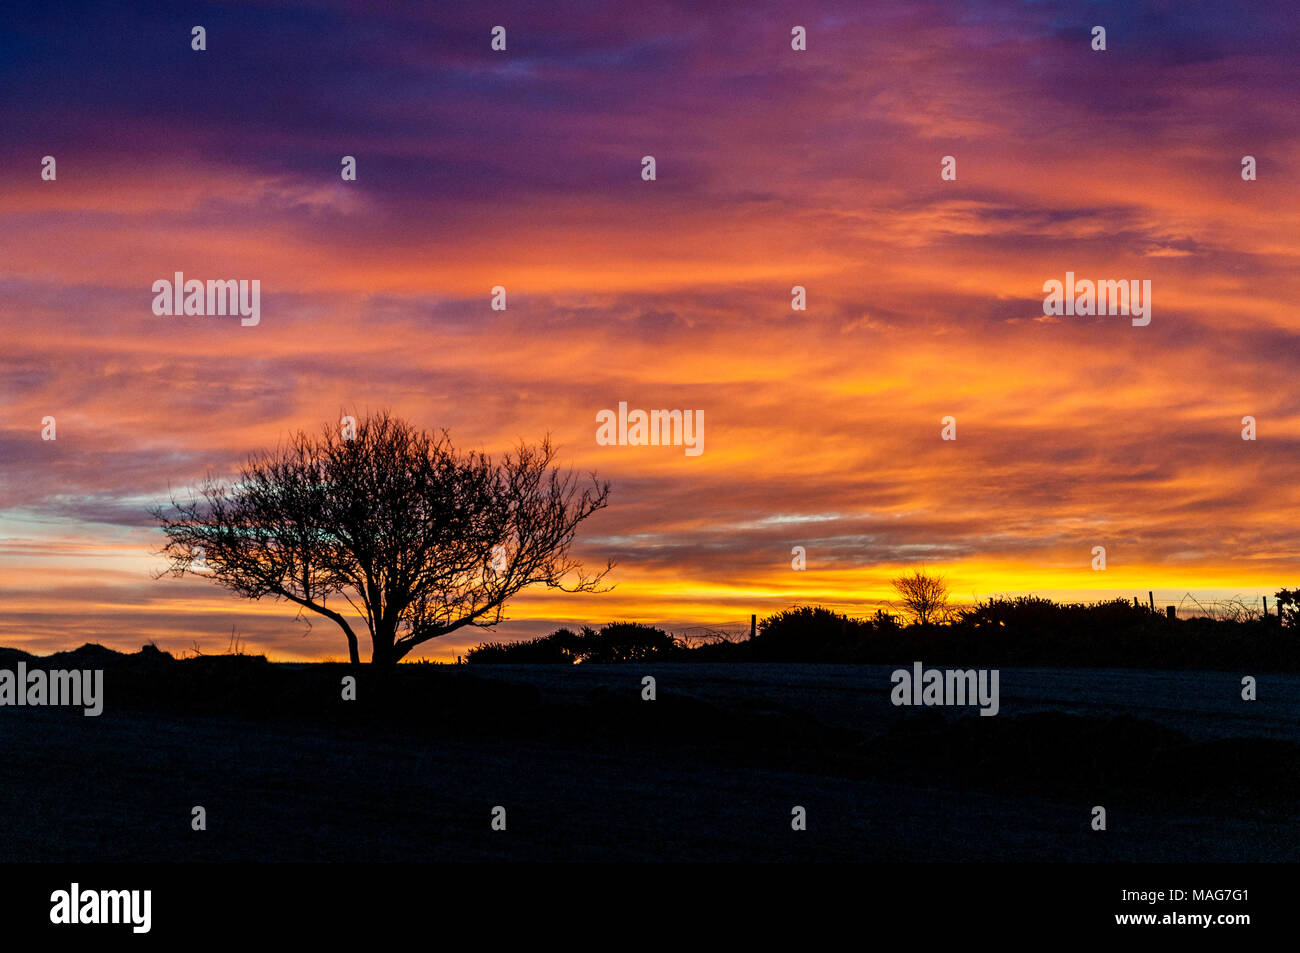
588	771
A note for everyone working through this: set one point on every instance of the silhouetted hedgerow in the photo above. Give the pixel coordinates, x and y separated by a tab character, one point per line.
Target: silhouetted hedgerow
615	642
1026	630
626	642
1021	630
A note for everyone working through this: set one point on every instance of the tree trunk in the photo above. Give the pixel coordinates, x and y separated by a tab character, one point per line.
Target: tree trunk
384	654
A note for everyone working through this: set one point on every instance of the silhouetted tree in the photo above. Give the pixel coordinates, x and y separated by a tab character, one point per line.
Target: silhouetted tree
418	539
923	595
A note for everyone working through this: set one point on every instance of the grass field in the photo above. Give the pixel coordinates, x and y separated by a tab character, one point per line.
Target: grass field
586	770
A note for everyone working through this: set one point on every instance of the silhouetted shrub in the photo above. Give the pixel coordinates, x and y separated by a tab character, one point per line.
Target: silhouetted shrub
539	651
815	634
626	642
1288	607
616	642
1033	615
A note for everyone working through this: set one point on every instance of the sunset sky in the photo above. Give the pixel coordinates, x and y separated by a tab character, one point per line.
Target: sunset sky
775	168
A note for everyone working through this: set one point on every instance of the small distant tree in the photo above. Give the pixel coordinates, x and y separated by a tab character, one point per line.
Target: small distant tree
923	595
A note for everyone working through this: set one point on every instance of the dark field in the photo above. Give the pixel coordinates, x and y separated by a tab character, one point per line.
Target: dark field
287	771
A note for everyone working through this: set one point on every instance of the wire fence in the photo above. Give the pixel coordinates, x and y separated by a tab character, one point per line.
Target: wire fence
710	633
1236	609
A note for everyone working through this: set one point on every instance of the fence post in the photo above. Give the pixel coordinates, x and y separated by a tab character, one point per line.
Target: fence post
1265	598
1152	596
753	624
1171	612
